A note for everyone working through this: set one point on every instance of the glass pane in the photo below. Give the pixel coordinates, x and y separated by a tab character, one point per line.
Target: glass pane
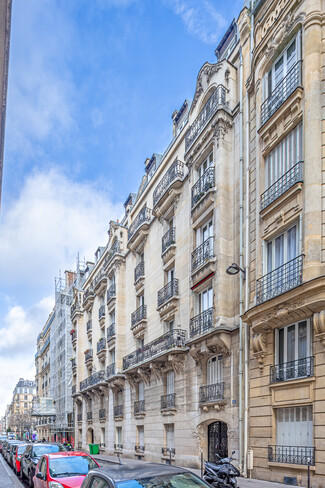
302	340
278	71
281	346
291	55
291	342
279	255
291	243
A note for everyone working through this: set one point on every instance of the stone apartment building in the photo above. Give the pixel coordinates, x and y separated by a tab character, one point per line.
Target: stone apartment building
20	419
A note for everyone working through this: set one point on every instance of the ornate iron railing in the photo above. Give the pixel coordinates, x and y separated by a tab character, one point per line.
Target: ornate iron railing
211	393
139	406
290	178
292	454
139	314
176	171
110	370
144	216
139	271
280	280
216	101
102	413
79	417
89	325
168	239
118	410
101	344
139	449
73	335
281	92
101	312
167	401
95	378
74	363
111	292
201	323
202	253
88	294
172	339
168	451
74	389
89	415
88	354
118	447
167	292
300	368
100	276
204	183
116	248
110	331
75	308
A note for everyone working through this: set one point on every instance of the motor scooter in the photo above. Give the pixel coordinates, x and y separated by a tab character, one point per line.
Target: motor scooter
221	474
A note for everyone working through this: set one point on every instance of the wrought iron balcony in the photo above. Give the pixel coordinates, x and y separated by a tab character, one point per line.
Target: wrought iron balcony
88	354
102	414
74	363
172	339
168	451
139	449
116	248
290	178
118	447
89	325
281	92
74	389
75	308
216	101
118	410
73	335
167	292
144	216
110	331
79	417
101	344
89	415
201	323
101	276
139	271
92	380
88	294
168	239
110	370
202	253
167	401
175	171
111	292
291	454
139	406
211	393
101	312
139	314
204	183
292	370
280	280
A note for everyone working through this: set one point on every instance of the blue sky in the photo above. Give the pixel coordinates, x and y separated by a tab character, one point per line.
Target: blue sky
92	86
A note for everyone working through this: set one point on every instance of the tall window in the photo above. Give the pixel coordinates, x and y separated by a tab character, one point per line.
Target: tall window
293	342
282	249
140	436
118	435
140	391
204	232
214	370
169	432
294	426
205	299
170	383
205	165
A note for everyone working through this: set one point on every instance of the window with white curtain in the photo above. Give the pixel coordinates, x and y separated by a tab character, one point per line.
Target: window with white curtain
214	370
294	426
281	249
169	432
293	342
205	299
170	383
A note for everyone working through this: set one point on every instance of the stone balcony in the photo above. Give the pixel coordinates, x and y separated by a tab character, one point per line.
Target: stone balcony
168	188
111	297
139	320
88	298
139	276
111	337
101	349
168	404
211	396
167	299
139	409
203	193
139	228
100	282
168	245
88	357
89	328
118	412
93	380
203	261
101	316
76	311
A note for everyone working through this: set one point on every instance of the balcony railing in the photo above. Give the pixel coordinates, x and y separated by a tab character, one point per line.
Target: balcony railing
167	292
167	401
217	100
176	171
110	331
139	449
101	344
95	378
75	308
139	406
300	368
89	325
168	451
111	292
168	239
100	276
139	314
73	335
204	183
116	248
144	216
79	417
88	354
101	312
111	370
292	455
201	323
172	339
118	447
290	178
88	293
202	253
211	393
102	413
118	410
281	92
139	271
280	280
74	363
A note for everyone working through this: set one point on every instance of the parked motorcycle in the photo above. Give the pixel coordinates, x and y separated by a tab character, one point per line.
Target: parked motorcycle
221	474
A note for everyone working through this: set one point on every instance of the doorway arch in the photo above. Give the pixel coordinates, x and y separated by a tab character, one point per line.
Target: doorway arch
217	441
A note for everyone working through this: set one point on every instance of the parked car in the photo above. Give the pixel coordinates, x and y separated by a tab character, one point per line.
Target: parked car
7	447
12	452
63	470
2	439
19	451
32	455
146	475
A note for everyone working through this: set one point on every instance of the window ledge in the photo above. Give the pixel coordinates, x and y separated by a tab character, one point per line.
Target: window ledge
294	381
299	467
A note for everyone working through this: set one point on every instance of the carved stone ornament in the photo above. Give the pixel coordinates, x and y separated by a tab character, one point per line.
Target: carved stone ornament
199	434
197	354
177	362
259	349
280	35
144	375
207	71
319	325
220	344
220	129
158	370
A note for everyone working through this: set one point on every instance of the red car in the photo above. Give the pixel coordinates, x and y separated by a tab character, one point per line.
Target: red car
63	469
20	449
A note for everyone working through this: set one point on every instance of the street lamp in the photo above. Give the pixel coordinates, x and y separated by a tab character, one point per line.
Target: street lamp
234	269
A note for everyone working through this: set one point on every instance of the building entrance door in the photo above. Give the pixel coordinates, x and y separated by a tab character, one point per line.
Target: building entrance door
217	441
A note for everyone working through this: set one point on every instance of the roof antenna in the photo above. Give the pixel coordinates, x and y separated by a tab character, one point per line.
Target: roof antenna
118	457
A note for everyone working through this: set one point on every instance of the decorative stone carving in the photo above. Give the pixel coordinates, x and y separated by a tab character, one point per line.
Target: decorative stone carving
319	325
207	71
220	343
280	35
197	354
144	375
220	129
177	362
157	369
199	435
259	349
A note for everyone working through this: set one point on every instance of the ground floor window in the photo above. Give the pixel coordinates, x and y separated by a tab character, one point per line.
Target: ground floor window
217	441
294	426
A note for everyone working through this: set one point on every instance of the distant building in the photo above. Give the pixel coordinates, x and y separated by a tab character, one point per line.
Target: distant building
20	408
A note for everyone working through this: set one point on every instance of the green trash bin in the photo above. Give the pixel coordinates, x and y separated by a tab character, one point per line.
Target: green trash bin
93	449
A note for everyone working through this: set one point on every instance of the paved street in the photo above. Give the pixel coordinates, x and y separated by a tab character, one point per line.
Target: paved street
7	477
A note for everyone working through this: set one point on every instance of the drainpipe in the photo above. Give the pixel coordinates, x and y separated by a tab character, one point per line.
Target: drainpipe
241	211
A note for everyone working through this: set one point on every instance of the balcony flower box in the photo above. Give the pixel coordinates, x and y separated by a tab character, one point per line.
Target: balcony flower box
86	351
72	331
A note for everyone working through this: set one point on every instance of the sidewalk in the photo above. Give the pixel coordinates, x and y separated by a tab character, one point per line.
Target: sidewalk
7	477
242	482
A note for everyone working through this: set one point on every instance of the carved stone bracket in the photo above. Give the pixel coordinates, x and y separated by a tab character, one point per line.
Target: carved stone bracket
220	344
220	129
177	362
158	369
319	325
259	349
197	354
144	375
117	383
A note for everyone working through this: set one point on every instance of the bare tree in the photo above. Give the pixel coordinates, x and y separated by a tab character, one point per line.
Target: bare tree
21	422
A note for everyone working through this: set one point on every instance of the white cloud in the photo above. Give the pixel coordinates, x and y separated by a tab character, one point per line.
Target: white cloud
201	19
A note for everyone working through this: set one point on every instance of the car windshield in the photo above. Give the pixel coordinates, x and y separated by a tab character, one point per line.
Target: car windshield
179	480
71	466
21	449
40	450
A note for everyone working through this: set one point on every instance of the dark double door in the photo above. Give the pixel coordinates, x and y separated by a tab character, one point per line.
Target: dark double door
217	441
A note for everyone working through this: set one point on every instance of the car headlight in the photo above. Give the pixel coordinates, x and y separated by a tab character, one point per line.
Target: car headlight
55	484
